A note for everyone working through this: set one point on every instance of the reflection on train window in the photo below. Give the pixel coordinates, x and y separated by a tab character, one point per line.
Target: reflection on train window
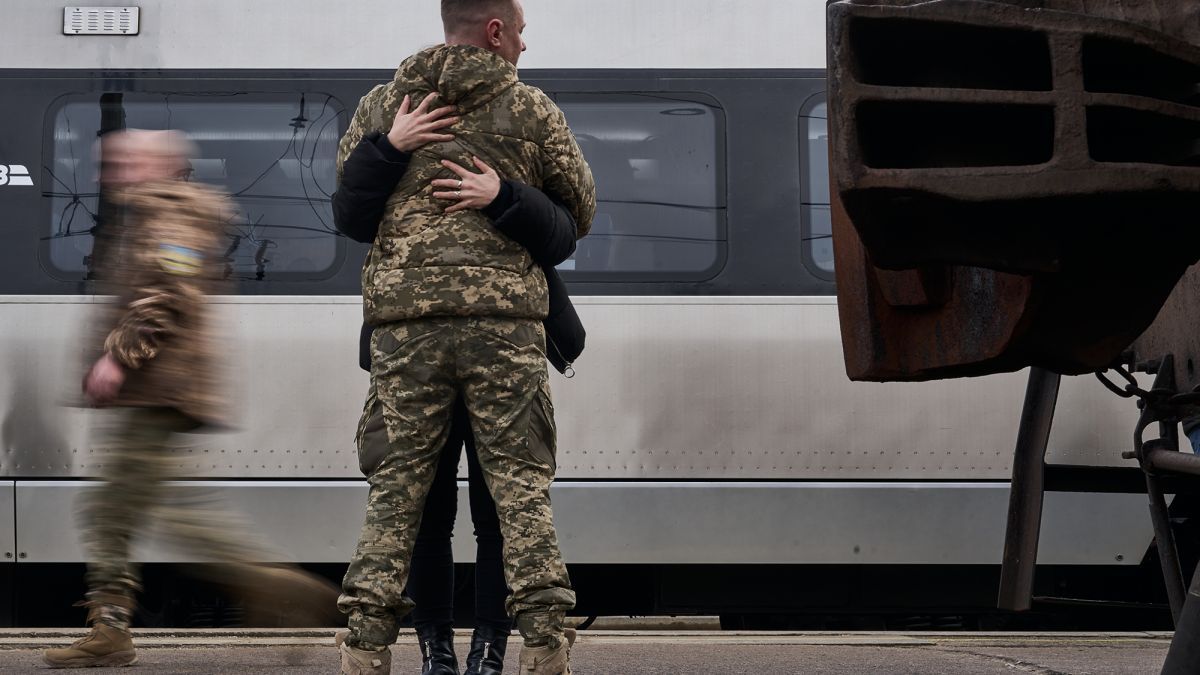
818	231
660	186
273	154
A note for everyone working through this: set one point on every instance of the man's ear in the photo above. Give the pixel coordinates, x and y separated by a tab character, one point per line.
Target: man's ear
494	28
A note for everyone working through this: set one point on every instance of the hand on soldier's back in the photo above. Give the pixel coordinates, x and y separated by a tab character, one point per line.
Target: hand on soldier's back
412	129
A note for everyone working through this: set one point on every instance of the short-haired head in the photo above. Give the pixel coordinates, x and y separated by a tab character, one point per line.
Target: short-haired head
495	25
460	14
133	156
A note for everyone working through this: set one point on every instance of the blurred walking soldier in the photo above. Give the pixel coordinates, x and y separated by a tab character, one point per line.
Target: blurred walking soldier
156	366
457	310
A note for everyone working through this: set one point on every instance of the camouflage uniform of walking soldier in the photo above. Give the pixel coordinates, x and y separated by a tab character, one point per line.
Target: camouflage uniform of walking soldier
156	369
457	309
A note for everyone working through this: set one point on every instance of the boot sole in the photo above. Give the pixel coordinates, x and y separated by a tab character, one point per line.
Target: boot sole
114	660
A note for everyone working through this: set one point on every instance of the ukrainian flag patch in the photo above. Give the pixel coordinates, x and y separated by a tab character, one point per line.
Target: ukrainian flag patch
179	260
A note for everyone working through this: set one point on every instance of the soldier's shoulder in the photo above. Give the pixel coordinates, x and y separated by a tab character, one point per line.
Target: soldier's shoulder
533	93
374	97
168	194
200	196
377	91
376	109
214	200
181	225
536	103
193	205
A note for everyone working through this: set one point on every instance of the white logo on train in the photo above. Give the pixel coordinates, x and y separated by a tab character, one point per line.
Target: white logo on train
14	175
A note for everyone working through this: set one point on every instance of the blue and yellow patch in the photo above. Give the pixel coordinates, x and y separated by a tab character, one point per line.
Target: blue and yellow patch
178	260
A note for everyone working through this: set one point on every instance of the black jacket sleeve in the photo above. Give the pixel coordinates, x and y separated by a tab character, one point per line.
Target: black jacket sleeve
534	220
546	228
369	176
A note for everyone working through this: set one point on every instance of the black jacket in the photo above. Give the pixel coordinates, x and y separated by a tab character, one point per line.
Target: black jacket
525	214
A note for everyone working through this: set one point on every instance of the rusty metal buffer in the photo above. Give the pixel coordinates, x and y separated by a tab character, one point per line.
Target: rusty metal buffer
1015	182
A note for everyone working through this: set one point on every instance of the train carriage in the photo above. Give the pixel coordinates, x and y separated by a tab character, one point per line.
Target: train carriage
713	456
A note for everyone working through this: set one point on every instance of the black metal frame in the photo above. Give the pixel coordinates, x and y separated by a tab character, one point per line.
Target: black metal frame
1159	459
1028	491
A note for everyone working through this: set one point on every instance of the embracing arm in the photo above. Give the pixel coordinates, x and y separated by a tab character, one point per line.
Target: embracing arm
369	176
534	220
527	215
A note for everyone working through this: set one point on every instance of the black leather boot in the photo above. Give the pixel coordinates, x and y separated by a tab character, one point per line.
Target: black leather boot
487	652
437	651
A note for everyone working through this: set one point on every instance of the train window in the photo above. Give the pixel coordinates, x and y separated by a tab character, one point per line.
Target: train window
660	182
273	154
818	231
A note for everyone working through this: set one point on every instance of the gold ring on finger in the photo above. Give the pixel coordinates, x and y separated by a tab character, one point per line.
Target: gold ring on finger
460	184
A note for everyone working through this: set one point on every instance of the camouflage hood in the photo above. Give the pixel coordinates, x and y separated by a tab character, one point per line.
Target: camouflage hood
467	77
427	263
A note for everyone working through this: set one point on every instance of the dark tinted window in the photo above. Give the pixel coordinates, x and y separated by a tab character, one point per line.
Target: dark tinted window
818	234
660	183
273	154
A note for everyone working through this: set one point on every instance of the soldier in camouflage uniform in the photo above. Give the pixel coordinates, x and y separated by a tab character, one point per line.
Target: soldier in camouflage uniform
457	309
156	367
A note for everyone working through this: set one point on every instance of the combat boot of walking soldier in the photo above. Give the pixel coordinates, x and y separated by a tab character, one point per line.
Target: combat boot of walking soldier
156	371
457	308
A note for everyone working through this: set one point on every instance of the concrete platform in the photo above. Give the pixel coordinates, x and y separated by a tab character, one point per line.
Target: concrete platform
614	652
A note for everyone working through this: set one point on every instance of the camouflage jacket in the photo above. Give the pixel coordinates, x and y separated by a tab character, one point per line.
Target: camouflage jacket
165	261
426	263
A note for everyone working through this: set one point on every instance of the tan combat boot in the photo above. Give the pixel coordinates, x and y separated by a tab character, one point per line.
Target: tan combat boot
547	660
106	645
361	661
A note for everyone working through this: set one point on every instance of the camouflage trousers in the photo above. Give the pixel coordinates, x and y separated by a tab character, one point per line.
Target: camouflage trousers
134	495
418	369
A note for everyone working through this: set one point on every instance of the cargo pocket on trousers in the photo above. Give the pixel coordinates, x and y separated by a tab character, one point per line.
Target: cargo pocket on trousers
383	343
519	333
372	437
543	436
386	340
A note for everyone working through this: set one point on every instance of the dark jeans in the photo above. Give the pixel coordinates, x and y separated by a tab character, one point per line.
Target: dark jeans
431	581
